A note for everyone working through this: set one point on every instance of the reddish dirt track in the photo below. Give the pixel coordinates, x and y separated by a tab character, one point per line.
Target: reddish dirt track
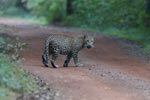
109	73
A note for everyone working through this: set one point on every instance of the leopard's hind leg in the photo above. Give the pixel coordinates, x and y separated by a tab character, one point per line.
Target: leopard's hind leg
45	60
45	55
54	57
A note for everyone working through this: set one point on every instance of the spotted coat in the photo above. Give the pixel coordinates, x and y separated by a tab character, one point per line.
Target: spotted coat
65	45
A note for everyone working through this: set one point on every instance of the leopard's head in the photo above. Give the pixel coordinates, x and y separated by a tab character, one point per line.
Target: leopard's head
88	41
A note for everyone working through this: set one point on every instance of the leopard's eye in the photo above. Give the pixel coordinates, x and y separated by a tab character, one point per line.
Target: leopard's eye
87	40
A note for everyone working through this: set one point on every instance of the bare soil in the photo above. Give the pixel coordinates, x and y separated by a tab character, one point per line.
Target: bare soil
109	72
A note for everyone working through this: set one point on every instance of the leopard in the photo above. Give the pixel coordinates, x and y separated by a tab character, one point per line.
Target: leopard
67	45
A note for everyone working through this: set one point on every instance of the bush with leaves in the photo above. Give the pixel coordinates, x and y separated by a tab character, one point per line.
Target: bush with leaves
107	13
12	48
7	3
51	10
92	13
13	79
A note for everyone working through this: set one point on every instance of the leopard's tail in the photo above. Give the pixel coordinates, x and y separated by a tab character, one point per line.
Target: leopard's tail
45	55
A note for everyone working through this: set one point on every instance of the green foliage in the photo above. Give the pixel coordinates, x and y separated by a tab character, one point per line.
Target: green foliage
7	46
14	78
125	17
100	14
7	94
9	8
97	14
51	10
139	36
7	3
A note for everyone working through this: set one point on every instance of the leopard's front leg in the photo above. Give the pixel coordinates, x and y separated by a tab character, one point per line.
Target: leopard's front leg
75	58
68	58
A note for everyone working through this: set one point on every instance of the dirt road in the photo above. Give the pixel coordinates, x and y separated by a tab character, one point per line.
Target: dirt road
109	72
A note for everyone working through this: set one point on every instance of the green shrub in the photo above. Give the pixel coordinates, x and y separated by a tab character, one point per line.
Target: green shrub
7	94
7	46
100	14
7	3
14	79
51	10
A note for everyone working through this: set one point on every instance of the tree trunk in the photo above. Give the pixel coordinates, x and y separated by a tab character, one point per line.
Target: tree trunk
22	4
69	8
147	13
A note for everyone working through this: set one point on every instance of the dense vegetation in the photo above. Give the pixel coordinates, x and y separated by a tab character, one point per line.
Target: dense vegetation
100	14
92	13
13	80
97	14
129	19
